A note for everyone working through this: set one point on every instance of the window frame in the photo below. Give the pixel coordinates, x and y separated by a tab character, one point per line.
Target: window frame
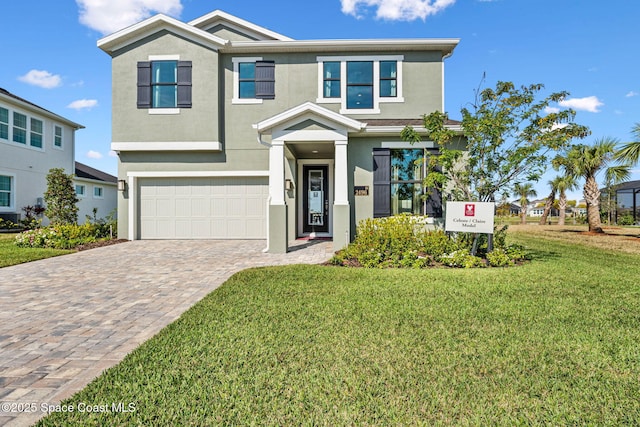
57	137
33	134
397	182
184	84
259	80
24	131
101	191
5	125
12	192
83	193
377	99
157	84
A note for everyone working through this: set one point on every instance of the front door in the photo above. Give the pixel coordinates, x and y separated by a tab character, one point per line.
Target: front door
315	199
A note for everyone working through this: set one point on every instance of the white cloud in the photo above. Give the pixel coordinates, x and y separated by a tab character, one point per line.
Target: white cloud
396	10
632	94
94	154
83	104
551	110
589	103
41	78
113	153
109	16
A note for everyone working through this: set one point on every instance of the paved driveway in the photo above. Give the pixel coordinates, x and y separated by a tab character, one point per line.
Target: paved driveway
64	320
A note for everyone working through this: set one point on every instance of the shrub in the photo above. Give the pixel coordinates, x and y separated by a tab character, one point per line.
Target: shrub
65	236
461	258
625	220
499	258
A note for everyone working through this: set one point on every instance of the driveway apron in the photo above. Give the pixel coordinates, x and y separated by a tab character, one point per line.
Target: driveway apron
64	320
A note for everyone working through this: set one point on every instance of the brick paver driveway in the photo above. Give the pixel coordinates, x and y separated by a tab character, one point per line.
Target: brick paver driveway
64	320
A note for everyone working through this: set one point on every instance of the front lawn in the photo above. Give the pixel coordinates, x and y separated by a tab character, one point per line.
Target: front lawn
553	342
10	254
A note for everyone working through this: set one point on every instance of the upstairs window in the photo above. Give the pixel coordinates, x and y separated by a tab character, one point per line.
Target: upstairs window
97	192
360	83
19	128
331	79
35	136
164	84
253	80
57	136
4	123
80	190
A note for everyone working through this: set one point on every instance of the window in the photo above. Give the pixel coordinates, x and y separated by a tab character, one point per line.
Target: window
80	190
4	123
331	79
57	136
253	80
5	191
164	84
407	172
19	128
397	184
360	83
97	192
388	79
35	137
247	79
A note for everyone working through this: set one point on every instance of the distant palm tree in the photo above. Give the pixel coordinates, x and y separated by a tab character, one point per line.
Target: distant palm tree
630	152
524	191
563	184
586	161
548	204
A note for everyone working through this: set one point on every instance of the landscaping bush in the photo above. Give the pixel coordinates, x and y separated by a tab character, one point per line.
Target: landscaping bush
402	241
625	220
65	236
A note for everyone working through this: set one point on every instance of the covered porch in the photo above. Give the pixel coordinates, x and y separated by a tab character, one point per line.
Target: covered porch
308	175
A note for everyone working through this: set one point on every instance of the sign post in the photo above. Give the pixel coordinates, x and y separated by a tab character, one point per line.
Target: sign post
470	217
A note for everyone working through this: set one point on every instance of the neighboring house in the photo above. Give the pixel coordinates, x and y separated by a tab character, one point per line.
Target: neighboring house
95	190
536	208
225	129
34	140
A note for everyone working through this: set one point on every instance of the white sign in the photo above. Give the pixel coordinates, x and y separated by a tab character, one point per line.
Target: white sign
471	217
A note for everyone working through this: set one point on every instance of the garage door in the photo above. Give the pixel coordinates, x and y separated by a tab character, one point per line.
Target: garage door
203	208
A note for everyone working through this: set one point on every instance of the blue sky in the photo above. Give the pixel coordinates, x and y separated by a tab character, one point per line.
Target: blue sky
586	47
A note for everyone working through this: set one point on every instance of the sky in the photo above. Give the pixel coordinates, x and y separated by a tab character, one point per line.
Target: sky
586	47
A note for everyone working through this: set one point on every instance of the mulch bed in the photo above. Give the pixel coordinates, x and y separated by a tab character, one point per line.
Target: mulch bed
100	244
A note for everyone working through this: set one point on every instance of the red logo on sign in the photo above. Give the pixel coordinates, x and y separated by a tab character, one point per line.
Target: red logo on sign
469	210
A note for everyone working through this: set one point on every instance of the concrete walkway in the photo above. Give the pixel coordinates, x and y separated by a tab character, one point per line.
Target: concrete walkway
64	320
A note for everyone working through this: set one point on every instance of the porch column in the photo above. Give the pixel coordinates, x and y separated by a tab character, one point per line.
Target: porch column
341	209
277	239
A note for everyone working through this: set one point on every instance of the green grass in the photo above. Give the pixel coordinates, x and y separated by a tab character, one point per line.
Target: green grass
10	254
554	342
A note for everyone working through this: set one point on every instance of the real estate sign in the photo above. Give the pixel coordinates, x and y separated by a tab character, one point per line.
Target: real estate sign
470	217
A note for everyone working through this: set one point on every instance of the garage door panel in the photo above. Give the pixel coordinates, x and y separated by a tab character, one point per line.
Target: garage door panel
201	208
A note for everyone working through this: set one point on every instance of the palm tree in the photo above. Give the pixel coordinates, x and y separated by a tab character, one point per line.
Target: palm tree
630	152
563	184
548	204
524	191
586	161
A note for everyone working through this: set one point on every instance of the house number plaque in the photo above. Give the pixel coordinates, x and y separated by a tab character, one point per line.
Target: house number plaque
361	190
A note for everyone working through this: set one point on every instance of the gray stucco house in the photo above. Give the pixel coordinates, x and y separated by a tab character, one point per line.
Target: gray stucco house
225	129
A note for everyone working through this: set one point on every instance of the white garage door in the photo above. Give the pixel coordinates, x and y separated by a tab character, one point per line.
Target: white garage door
203	208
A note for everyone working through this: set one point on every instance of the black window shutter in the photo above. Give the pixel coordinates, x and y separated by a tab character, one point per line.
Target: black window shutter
381	182
184	84
434	199
265	79
144	84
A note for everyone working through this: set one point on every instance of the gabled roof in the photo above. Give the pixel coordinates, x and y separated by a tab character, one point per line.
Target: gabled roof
30	105
217	17
151	26
303	110
87	172
266	40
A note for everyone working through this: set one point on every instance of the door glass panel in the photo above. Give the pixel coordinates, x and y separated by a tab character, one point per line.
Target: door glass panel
316	198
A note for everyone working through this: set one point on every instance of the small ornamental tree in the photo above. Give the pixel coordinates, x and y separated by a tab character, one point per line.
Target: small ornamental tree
60	198
509	133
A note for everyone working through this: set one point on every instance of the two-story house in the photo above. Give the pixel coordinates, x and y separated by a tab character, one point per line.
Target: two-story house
225	129
34	140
